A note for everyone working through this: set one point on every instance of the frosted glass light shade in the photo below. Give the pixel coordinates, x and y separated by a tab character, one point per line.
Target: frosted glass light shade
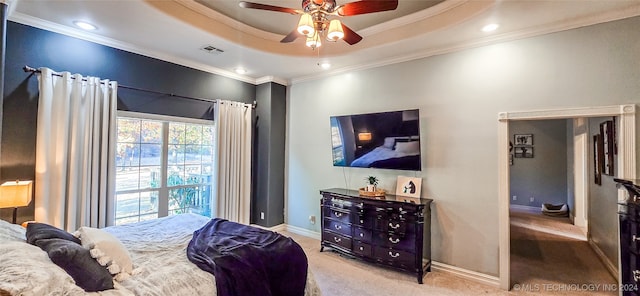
305	25
314	41
15	194
335	31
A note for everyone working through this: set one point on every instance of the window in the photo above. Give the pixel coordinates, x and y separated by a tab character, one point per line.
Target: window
164	166
337	147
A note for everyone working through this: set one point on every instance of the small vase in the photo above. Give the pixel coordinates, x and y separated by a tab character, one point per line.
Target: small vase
371	187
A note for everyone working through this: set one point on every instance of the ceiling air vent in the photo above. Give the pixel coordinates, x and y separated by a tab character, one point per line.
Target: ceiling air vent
212	49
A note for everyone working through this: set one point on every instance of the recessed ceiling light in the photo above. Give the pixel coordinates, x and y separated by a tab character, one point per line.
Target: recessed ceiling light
490	27
240	70
85	26
325	65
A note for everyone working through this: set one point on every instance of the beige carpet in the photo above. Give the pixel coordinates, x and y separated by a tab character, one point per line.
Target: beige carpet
532	253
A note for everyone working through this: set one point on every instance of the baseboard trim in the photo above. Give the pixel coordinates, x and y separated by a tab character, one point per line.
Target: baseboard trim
303	231
526	208
467	274
461	272
603	258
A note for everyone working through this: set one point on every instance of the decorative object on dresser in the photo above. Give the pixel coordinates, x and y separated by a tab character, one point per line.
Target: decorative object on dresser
392	231
408	186
629	219
372	182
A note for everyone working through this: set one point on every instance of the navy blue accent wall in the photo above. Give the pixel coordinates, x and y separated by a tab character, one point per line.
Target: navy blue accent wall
40	48
269	142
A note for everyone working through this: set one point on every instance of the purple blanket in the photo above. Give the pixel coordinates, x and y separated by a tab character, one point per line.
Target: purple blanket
247	260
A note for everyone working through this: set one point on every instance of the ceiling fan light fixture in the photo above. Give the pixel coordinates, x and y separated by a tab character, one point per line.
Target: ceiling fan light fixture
314	41
305	25
335	31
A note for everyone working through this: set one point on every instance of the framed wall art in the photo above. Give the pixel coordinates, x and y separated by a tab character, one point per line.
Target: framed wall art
608	147
597	159
523	152
523	139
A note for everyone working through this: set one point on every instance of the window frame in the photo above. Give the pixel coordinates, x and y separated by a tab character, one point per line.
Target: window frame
163	189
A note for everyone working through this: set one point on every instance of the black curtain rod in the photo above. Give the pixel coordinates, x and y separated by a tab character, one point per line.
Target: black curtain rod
34	70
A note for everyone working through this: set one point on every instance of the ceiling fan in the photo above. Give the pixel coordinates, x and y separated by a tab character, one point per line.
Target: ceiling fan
319	18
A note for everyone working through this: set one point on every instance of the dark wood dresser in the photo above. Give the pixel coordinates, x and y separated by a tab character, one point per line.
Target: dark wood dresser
391	231
629	218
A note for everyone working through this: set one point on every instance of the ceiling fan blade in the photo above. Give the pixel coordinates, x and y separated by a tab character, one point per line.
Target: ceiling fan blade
350	36
367	6
291	37
245	4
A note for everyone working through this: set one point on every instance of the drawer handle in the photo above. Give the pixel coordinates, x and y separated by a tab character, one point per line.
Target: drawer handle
361	234
361	248
337	239
394	255
361	221
395	241
338	227
635	238
337	214
394	227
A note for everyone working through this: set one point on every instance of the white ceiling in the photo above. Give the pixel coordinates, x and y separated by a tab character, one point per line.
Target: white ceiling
175	30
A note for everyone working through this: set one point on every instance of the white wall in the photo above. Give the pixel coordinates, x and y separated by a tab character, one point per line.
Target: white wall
459	96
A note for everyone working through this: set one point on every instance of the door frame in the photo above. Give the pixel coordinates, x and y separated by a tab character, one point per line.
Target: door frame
626	162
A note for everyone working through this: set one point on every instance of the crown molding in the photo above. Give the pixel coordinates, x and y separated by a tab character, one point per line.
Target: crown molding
614	15
439	8
266	79
68	31
210	13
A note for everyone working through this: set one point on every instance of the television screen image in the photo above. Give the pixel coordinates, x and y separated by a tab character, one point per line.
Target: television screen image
386	140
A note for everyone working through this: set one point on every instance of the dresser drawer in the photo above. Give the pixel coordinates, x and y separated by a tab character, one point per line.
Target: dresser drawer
363	220
362	234
362	249
336	239
395	226
337	214
394	257
338	227
396	241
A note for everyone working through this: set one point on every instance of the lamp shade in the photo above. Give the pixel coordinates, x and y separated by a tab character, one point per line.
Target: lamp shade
364	136
305	25
15	194
335	31
314	41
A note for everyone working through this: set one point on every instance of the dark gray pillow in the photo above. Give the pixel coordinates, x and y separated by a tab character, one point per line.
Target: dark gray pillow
37	231
78	263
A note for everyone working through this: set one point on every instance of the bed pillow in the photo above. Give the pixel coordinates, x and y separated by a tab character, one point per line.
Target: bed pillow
412	147
11	232
76	260
389	142
26	270
37	231
107	250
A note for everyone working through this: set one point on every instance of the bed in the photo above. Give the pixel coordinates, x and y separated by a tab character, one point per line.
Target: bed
156	247
394	153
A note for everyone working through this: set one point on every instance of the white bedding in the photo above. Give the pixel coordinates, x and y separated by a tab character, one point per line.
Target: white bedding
157	247
380	153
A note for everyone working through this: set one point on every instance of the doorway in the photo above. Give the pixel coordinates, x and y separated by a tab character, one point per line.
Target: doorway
626	165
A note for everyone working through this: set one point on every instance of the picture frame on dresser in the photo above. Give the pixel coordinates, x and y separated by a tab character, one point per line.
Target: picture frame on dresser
408	186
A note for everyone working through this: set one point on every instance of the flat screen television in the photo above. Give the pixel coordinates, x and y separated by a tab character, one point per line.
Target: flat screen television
386	140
